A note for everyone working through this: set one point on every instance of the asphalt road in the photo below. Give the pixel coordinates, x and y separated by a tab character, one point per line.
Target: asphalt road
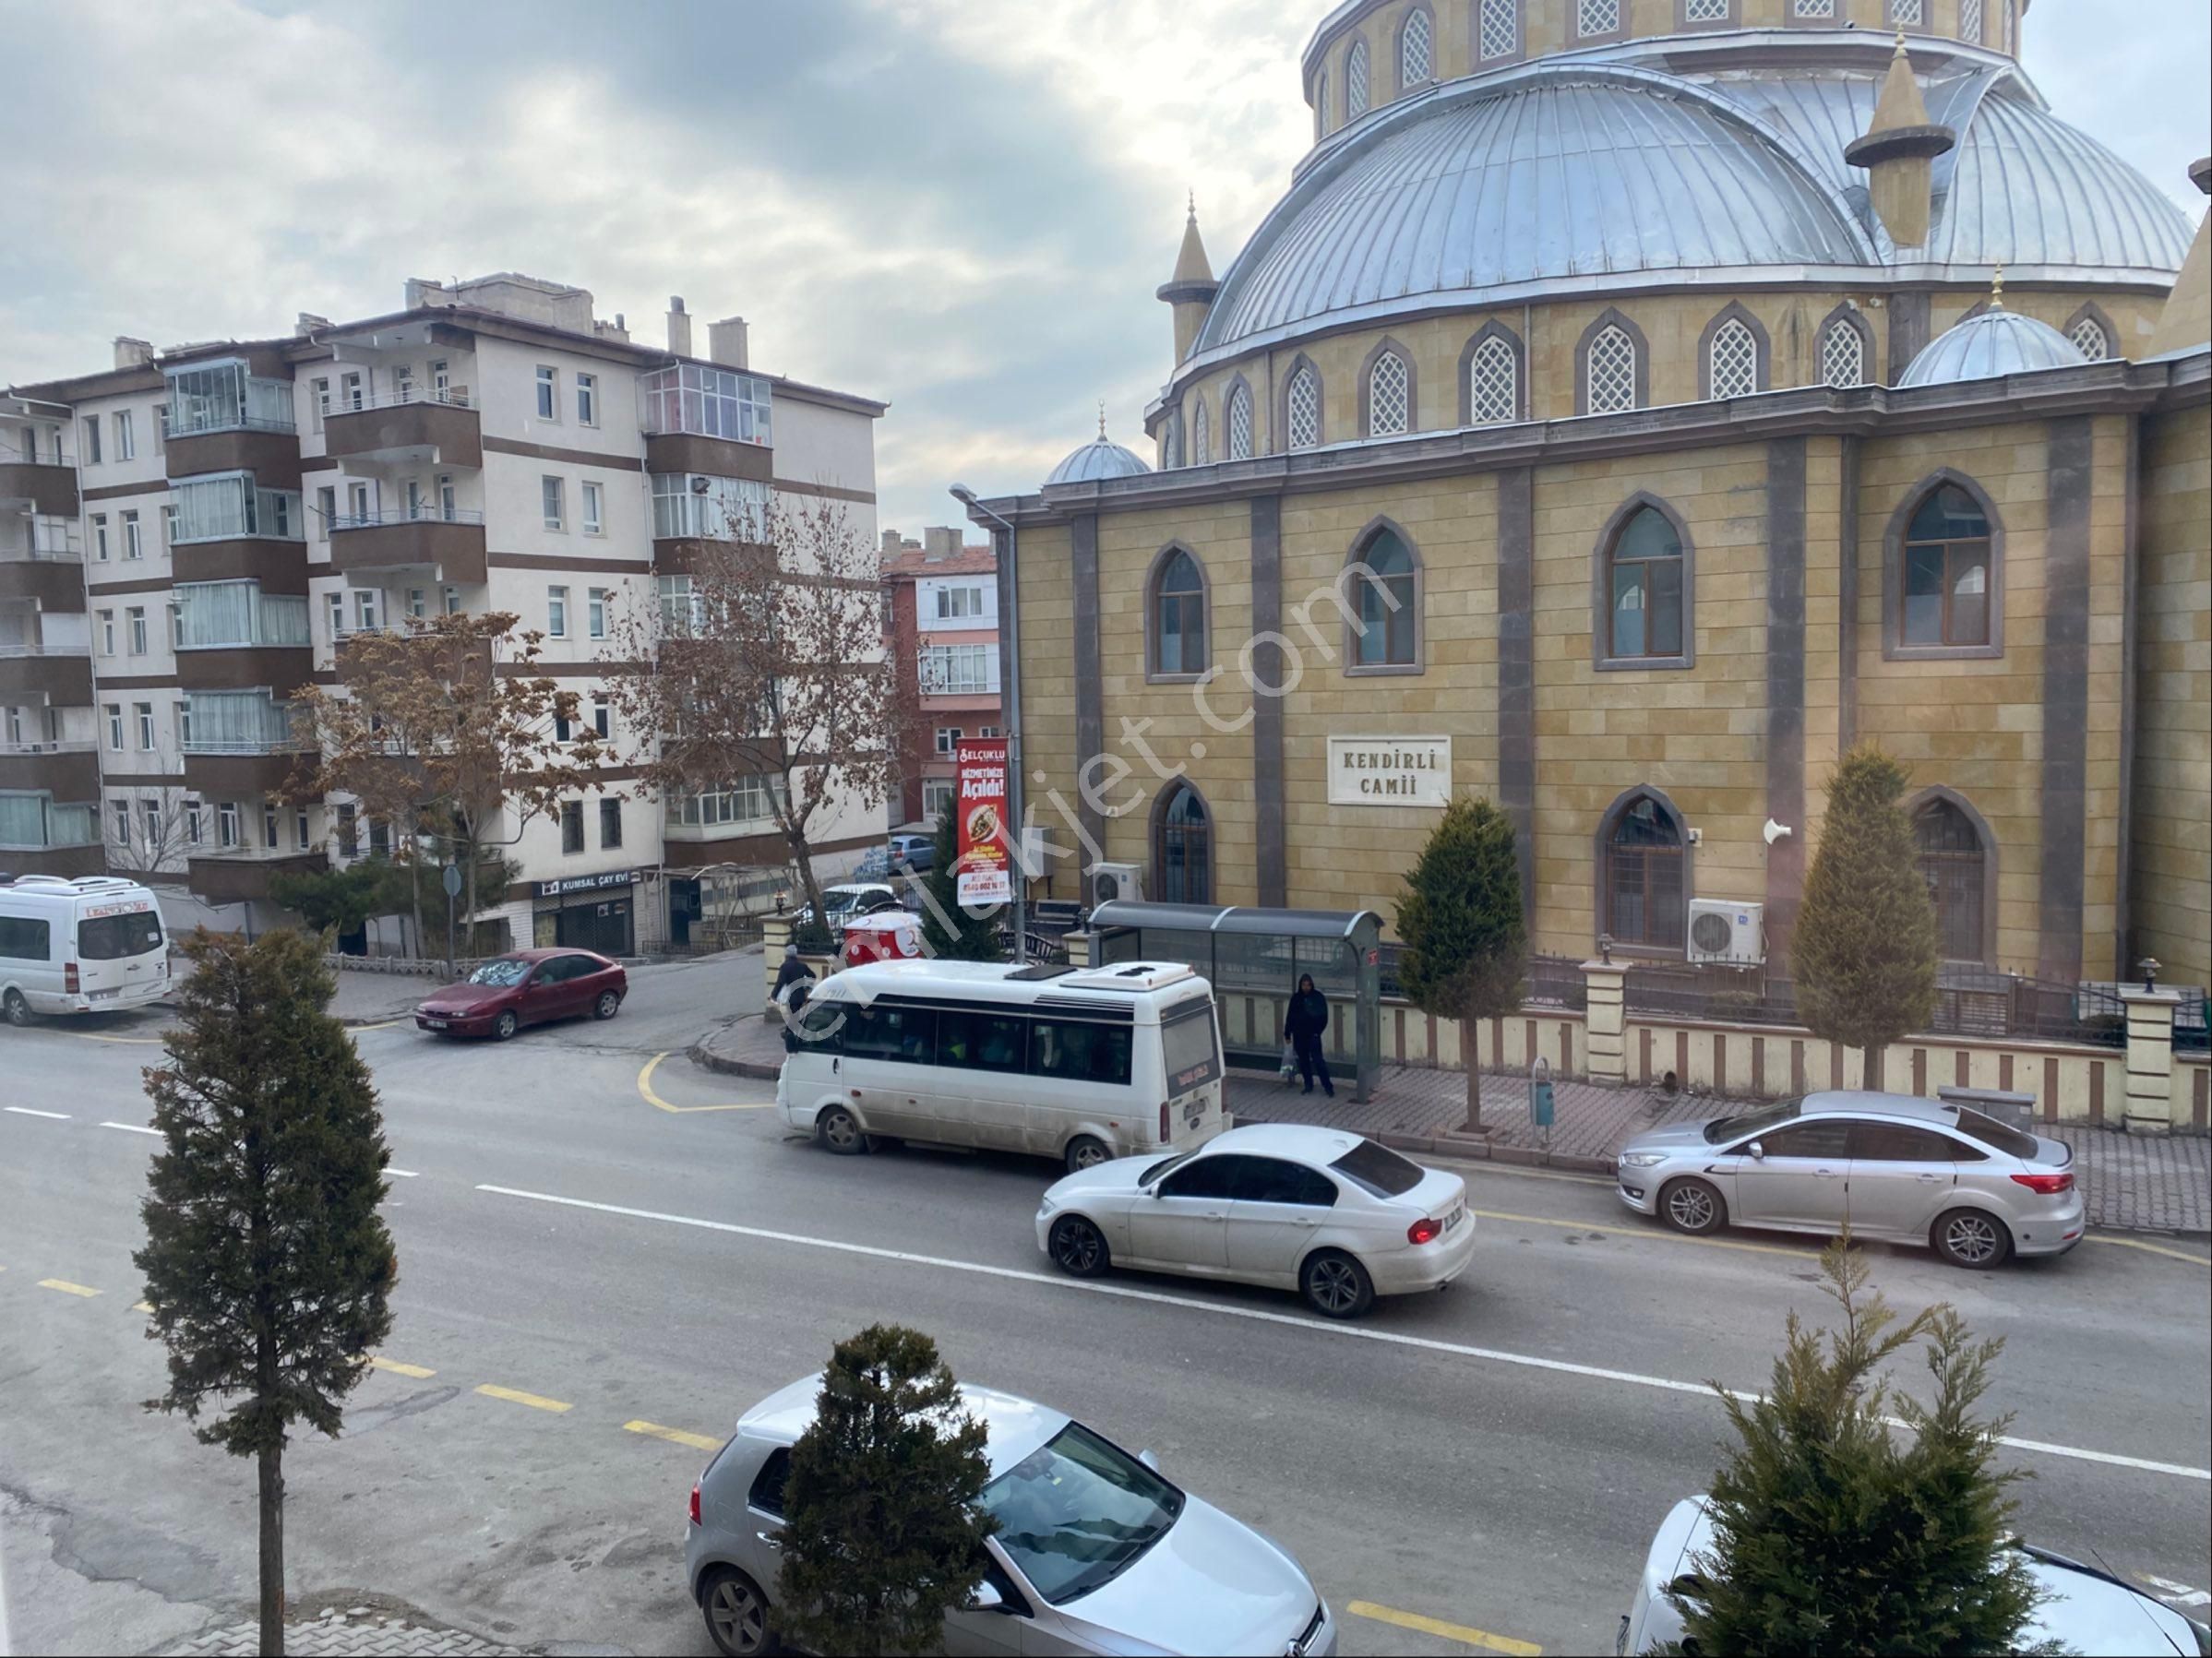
630	1251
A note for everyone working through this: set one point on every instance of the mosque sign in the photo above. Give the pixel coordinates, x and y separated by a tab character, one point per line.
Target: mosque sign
1390	771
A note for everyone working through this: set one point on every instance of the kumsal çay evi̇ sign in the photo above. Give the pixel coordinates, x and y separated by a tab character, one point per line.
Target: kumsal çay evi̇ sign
983	871
1390	771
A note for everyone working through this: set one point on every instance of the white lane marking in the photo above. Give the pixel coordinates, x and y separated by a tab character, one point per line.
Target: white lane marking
2180	1594
59	1116
1390	1336
131	1127
403	1173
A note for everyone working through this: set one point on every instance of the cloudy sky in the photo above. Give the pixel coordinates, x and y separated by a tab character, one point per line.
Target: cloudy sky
960	206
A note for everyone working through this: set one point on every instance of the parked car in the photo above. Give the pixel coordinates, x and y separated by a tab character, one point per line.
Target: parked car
94	944
1096	1550
850	898
917	853
1335	1217
2086	1611
1893	1166
529	987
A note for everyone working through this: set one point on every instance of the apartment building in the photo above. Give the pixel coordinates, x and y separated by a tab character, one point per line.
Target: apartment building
189	537
943	599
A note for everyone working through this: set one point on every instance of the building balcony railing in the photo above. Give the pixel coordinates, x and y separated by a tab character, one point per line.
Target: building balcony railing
12	652
66	745
451	397
59	674
418	423
235	874
47	485
66	770
405	515
450	541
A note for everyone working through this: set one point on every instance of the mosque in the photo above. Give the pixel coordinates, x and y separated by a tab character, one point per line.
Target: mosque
1632	405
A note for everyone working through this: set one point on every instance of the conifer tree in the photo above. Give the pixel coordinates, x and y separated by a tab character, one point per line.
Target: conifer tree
951	932
1466	943
1830	1534
1864	954
267	1265
883	1534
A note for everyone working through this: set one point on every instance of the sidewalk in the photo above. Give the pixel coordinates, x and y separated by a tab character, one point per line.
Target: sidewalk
2129	1181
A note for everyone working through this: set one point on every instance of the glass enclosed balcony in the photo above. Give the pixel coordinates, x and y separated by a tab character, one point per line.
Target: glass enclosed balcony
222	397
706	402
232	507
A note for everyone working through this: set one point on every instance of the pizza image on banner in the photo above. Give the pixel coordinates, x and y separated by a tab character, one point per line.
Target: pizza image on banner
983	870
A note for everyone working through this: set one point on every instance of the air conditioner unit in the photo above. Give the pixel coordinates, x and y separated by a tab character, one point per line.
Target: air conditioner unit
1725	934
1110	883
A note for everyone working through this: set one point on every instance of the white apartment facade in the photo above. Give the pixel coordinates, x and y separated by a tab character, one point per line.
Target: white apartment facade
188	537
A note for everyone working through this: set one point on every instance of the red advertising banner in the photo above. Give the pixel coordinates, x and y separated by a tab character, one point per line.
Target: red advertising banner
982	872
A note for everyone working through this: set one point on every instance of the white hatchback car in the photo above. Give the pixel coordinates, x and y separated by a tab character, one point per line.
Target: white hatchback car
1336	1217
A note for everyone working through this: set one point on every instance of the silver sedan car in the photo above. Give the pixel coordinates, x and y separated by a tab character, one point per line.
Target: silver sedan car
1890	1166
1096	1551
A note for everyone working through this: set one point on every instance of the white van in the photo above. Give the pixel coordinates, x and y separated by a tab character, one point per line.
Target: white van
1080	1066
92	945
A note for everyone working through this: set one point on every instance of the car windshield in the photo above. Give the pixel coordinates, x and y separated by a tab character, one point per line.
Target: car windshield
1750	1122
1377	1171
1076	1513
1161	1167
1990	1132
503	974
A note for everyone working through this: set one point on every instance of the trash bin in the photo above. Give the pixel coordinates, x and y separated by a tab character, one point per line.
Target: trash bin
2013	1110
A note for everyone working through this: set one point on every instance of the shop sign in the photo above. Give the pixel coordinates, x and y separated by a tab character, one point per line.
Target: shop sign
983	870
587	883
1390	771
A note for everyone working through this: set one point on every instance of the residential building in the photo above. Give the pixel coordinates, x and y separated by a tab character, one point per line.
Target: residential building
194	535
944	624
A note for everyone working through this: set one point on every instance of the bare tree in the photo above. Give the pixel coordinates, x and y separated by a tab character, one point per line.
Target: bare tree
158	839
446	724
771	666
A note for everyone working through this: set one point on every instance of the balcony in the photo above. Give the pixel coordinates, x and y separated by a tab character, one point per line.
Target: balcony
280	566
234	770
51	580
50	673
66	770
279	668
224	419
418	425
42	486
237	874
449	542
714	421
40	837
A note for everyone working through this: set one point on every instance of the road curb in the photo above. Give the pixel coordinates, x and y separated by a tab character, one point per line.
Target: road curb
703	1054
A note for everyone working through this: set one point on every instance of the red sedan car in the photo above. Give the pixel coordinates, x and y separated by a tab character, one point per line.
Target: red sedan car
526	988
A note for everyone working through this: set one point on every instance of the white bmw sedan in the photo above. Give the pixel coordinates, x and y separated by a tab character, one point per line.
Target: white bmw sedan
1334	1216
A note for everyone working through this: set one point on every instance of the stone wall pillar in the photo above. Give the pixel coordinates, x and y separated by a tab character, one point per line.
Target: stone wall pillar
2151	1060
1605	1023
775	944
1079	949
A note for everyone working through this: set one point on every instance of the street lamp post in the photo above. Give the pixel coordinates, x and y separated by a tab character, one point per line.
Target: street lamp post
1017	793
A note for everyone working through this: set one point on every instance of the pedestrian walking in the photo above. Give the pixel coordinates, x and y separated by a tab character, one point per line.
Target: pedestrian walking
1303	1028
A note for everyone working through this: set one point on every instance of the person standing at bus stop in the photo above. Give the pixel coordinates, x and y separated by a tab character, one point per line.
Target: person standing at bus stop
1303	1028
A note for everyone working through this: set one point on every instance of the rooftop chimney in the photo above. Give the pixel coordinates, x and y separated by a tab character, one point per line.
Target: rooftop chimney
726	343
132	353
941	542
679	327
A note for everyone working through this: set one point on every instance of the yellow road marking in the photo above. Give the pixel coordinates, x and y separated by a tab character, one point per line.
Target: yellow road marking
536	1402
67	1288
645	1088
674	1436
141	1042
2194	1260
1650	1233
1437	1626
387	1025
378	1362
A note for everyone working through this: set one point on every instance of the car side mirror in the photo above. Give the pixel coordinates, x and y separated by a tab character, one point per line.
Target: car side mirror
987	1598
1757	1150
1149	1460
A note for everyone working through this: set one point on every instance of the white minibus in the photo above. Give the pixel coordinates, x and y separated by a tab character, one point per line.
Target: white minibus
92	945
1078	1064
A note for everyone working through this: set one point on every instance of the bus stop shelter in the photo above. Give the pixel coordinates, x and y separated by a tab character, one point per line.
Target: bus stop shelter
1254	958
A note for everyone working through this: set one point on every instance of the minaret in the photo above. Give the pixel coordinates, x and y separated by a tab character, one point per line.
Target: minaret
2186	320
1192	289
1897	151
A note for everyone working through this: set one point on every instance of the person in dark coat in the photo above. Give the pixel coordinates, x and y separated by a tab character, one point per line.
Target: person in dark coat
1303	1028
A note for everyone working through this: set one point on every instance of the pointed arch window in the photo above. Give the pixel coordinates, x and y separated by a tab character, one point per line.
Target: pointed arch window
1355	88
1842	356
1171	442
1969	21
1321	107
1732	360
1178	615
1492	367
1390	397
1237	418
1202	435
1416	45
1646	587
1610	371
1302	407
1947	562
2090	339
1384	580
1182	847
1954	862
1643	875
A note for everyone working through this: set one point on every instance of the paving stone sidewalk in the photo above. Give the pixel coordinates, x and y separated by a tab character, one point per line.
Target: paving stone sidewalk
2129	1181
339	1632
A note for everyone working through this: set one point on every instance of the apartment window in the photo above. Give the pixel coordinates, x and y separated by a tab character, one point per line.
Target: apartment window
602	717
591	499
100	536
953	603
115	714
122	810
948	739
107	633
14	727
226	825
441	381
144	710
563	732
549	490
418	602
549	392
92	440
360	504
556	611
322	401
610	823
126	442
326	508
715	403
449	504
183	726
192	824
299	829
350	385
177	625
133	546
338	616
402	382
989	731
595	614
380	835
367	608
453	601
683	610
168	526
959	670
349	831
161	428
149	817
572	826
135	616
937	795
587	399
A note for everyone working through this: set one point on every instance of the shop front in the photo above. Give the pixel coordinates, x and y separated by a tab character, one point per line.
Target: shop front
587	912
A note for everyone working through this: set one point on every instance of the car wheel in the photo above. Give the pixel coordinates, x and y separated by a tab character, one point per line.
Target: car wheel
736	1614
1972	1238
505	1026
1086	1151
16	1009
1076	1248
1692	1206
1336	1286
839	1130
604	1007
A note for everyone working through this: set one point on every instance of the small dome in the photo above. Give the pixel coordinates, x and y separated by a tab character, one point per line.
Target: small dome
1100	459
1989	346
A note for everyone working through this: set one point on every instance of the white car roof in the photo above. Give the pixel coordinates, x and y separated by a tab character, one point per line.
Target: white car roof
1304	1141
1880	1105
1016	1425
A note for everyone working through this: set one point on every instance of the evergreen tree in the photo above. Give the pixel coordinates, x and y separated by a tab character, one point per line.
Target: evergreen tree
267	1265
328	900
1465	940
951	932
883	1534
1830	1534
1864	956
